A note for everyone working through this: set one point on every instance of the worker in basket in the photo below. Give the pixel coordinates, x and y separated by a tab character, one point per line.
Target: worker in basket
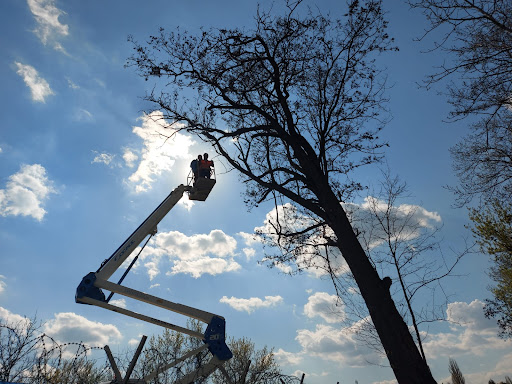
205	167
194	165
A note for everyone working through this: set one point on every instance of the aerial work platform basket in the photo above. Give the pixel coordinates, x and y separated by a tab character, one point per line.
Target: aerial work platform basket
201	187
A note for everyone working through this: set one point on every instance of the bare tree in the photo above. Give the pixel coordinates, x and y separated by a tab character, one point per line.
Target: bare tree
295	106
27	355
248	365
78	369
403	244
167	348
478	38
252	366
18	347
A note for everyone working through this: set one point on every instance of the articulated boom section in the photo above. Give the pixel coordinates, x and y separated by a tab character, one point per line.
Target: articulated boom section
90	291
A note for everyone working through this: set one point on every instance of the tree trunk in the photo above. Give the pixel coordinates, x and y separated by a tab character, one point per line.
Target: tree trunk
403	355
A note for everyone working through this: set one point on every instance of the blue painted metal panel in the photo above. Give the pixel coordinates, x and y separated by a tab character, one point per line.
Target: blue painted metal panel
215	338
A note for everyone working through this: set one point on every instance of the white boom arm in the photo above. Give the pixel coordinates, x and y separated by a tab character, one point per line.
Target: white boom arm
147	227
90	292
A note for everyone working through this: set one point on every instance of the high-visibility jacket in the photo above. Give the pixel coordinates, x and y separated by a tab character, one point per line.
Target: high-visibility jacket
205	164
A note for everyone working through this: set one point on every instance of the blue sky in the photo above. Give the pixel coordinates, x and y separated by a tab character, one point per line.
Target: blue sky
81	167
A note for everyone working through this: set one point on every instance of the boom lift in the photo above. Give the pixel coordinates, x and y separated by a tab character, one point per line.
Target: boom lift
90	291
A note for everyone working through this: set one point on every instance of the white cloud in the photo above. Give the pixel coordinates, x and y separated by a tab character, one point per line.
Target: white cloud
502	369
475	334
326	306
422	216
152	268
39	87
249	252
250	239
470	316
410	219
49	28
282	267
26	192
192	247
212	266
118	303
129	157
2	284
70	327
134	342
102	158
196	255
338	345
250	305
11	318
186	203
284	358
161	148
310	254
299	373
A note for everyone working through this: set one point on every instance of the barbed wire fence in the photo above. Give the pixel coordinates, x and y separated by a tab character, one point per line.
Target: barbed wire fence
31	357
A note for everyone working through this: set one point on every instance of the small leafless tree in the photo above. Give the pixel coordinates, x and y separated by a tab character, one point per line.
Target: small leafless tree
27	355
405	247
165	349
247	366
252	366
18	348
